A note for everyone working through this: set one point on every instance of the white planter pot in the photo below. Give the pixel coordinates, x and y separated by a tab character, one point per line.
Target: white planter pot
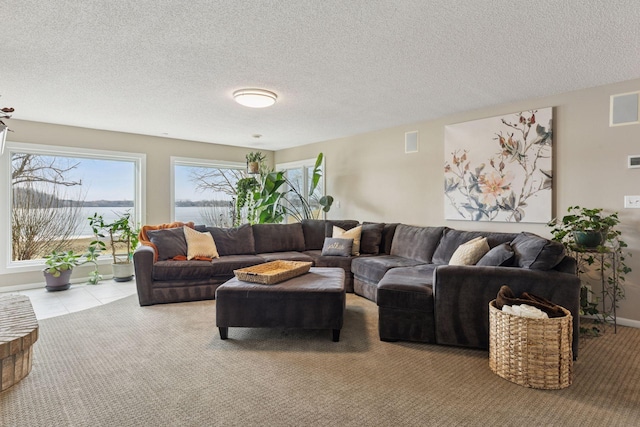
122	272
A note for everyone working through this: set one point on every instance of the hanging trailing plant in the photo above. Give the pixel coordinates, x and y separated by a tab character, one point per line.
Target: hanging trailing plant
245	188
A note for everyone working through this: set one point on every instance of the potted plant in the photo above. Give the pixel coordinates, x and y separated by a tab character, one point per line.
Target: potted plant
122	236
59	266
592	235
254	159
584	228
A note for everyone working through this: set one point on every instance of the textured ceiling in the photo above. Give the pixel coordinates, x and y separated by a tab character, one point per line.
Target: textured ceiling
339	67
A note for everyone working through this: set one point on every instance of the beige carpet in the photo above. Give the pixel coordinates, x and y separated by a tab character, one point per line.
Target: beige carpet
165	365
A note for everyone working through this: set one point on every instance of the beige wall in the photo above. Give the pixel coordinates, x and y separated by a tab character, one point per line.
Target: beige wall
158	154
374	180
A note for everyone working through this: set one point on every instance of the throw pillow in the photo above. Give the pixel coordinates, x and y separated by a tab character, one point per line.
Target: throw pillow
353	233
469	253
233	241
199	245
500	256
535	252
169	242
337	247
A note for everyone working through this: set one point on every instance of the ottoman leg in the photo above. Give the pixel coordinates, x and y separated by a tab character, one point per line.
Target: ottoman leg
336	335
224	333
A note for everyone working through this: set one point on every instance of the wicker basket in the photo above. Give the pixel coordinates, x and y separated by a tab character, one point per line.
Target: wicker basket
273	272
531	352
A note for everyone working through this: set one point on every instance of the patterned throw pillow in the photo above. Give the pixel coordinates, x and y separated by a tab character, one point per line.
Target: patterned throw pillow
337	247
199	244
353	233
470	252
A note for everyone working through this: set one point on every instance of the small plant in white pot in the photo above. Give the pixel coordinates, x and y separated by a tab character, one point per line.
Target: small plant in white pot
122	236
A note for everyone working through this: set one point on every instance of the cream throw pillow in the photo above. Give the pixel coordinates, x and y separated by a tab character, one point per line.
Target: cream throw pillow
200	244
354	233
470	252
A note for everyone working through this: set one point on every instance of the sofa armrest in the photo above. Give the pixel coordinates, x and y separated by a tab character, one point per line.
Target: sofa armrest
462	295
143	265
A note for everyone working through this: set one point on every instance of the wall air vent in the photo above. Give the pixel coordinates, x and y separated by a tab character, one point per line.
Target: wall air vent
411	142
634	161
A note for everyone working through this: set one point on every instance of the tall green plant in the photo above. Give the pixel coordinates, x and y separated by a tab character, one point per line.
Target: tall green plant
277	197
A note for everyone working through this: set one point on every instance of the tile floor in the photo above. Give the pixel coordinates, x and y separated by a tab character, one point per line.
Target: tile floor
78	297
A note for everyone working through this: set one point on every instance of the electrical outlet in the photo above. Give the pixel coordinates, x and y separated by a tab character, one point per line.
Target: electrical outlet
632	202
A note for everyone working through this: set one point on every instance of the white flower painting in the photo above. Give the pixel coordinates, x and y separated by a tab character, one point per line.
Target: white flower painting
500	168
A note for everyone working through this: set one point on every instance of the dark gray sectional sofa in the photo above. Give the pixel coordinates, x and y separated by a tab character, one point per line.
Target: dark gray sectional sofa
404	269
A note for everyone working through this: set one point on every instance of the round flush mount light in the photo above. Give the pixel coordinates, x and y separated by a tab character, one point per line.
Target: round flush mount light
255	98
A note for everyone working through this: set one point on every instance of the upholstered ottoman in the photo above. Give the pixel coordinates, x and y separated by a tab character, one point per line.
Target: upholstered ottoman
315	300
405	305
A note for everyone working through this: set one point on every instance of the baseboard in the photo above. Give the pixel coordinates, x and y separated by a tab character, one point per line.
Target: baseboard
620	320
629	322
37	285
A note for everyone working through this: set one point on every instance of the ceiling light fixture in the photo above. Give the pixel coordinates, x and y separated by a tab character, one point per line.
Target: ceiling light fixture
255	98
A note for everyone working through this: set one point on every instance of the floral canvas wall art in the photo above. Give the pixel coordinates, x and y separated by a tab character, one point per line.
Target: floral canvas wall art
500	168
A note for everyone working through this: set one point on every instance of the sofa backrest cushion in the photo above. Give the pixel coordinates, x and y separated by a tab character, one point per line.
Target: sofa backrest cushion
278	237
387	238
169	242
535	252
371	238
452	239
417	243
314	231
234	241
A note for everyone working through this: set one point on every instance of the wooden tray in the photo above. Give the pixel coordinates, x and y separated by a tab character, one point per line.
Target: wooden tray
273	272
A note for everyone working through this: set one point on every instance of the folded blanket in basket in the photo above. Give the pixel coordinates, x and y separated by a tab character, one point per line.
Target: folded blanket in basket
525	310
506	297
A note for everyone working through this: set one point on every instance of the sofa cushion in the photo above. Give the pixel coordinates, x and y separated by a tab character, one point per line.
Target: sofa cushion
334	246
500	256
224	266
371	238
278	237
314	231
416	243
182	270
285	256
199	245
169	242
320	260
233	241
407	288
452	239
374	268
387	238
470	252
354	233
535	252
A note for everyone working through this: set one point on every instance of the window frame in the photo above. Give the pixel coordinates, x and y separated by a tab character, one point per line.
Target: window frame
306	165
7	265
199	163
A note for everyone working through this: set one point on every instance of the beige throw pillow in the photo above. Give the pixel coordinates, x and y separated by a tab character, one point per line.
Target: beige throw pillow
470	252
354	233
199	244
